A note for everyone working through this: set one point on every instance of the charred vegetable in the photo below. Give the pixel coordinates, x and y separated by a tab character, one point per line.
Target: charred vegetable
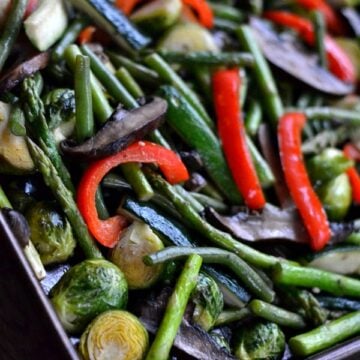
208	301
50	232
114	334
87	290
122	129
135	242
260	340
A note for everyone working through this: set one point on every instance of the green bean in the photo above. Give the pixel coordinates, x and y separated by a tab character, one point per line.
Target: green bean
168	75
320	32
253	117
230	316
217	237
11	28
175	309
246	274
109	81
287	274
129	82
208	201
210	190
207	58
276	314
264	78
65	199
350	117
101	106
326	335
84	125
187	196
226	12
138	71
225	25
17	121
202	79
68	38
263	170
157	137
137	180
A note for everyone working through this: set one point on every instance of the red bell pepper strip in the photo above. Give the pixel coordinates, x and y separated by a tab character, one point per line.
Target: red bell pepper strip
31	7
86	35
126	6
298	182
352	152
107	232
203	11
352	173
333	21
226	87
339	63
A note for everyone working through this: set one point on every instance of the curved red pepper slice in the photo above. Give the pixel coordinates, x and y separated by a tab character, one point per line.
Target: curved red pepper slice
298	182
107	231
203	11
339	63
354	177
333	21
226	85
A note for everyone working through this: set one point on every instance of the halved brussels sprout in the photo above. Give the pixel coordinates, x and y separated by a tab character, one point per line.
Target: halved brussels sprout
87	290
115	335
137	241
208	300
50	232
260	340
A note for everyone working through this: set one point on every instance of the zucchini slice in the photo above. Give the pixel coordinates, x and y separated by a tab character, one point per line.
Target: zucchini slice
339	259
14	154
188	37
46	24
114	22
157	15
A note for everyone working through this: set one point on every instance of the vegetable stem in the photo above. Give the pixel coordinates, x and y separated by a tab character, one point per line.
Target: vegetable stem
217	256
129	82
175	309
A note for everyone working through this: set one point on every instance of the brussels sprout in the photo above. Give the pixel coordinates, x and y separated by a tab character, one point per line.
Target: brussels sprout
50	232
260	340
87	290
114	334
336	196
327	165
60	106
208	300
137	241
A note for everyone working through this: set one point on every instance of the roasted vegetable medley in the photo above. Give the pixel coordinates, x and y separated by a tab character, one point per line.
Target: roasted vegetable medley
183	175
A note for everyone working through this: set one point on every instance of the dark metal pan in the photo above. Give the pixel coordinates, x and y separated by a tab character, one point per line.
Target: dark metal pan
30	329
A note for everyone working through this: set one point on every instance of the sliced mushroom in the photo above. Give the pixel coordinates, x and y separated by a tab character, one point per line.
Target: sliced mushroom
122	129
18	73
287	54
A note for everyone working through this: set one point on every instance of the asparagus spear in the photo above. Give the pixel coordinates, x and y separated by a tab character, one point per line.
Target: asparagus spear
326	335
214	235
217	256
229	316
65	199
175	309
276	314
35	116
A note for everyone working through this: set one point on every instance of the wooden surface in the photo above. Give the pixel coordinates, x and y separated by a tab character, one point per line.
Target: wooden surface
29	329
